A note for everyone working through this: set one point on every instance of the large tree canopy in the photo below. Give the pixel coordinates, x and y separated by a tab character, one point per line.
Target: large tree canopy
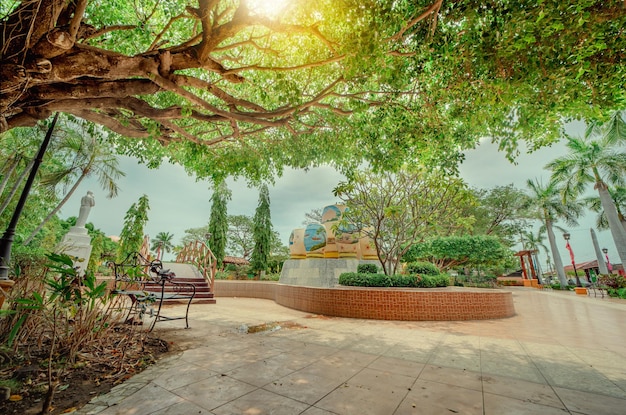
230	87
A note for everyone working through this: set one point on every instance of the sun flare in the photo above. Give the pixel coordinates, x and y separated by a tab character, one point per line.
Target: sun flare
269	8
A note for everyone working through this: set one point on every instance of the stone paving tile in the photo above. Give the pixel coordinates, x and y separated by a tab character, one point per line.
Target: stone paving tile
497	404
460	359
183	375
503	346
304	387
541	394
398	366
213	392
183	408
260	373
591	403
146	401
517	366
261	402
430	398
420	355
343	366
317	411
450	376
571	376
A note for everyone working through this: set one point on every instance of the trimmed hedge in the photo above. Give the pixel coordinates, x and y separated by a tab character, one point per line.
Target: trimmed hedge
356	279
422	268
367	269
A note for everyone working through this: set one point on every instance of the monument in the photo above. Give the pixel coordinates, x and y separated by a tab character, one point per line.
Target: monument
323	251
76	242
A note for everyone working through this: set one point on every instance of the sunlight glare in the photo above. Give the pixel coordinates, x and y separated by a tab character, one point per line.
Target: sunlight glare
268	8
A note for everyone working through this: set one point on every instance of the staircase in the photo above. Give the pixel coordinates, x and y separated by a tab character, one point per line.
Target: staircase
190	274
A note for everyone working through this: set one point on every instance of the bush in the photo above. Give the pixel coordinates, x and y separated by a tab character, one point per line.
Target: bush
367	269
612	281
357	279
422	268
275	276
620	292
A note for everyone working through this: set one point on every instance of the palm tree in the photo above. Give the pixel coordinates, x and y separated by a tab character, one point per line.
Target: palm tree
618	194
162	242
88	154
598	161
546	203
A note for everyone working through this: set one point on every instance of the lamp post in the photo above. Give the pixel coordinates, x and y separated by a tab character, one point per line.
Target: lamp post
566	236
6	242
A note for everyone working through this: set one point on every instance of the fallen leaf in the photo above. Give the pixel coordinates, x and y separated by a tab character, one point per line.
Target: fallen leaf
15	398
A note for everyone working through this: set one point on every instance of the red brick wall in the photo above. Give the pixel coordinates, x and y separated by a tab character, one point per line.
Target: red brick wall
452	303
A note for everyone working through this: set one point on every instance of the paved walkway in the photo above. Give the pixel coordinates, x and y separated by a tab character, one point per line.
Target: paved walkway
561	354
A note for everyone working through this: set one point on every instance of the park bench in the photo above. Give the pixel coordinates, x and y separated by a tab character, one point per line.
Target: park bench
147	286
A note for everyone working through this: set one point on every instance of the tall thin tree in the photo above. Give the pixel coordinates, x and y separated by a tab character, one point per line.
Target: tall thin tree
218	223
599	159
131	237
262	233
546	203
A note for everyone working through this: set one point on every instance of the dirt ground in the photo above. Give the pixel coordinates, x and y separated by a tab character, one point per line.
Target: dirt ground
92	375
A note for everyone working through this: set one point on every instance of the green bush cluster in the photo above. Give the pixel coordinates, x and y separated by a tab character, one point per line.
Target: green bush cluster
361	279
615	285
357	279
367	269
422	268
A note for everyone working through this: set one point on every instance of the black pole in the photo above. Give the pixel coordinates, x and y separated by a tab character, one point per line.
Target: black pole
7	239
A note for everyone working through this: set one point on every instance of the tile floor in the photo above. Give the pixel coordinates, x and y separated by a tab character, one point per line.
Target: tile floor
561	354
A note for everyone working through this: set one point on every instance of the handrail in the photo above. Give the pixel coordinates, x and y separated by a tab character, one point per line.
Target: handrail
198	254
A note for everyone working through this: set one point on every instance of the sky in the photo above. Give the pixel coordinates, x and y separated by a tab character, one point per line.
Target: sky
179	202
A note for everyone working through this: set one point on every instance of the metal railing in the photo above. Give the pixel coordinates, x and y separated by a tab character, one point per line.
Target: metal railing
198	254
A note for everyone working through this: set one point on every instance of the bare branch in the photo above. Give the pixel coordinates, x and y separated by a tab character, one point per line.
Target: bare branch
432	9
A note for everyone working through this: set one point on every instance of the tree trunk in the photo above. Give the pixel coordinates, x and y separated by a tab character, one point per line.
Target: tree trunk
558	264
16	186
615	225
55	210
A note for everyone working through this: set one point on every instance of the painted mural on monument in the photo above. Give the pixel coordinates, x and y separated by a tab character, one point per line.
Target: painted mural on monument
328	240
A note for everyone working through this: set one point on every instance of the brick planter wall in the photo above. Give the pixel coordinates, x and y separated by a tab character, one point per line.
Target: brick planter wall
452	303
249	289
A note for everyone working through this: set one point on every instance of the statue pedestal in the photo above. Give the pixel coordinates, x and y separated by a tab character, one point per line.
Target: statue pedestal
77	244
318	272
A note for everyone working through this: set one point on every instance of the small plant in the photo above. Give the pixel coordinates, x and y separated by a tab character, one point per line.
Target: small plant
422	268
367	269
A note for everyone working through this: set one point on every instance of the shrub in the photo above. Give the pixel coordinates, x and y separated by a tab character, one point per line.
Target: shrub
422	268
612	281
406	280
357	279
367	269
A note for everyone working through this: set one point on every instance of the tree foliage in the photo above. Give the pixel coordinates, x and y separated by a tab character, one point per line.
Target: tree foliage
231	89
240	236
262	231
545	204
597	159
461	251
399	209
498	212
218	222
131	237
162	243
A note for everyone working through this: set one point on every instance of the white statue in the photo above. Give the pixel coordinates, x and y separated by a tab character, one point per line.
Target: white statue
86	203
